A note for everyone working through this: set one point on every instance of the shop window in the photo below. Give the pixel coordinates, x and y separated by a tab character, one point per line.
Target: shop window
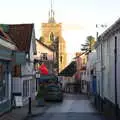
3	81
1	72
16	71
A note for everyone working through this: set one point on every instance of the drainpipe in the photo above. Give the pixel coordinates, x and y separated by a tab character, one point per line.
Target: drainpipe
116	102
102	87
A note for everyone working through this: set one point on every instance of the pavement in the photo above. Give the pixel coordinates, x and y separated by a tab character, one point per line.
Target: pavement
22	113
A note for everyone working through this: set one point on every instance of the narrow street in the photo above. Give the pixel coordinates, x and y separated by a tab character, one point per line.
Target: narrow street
74	107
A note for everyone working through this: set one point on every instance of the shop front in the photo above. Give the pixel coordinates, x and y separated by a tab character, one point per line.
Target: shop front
5	86
6	49
5	78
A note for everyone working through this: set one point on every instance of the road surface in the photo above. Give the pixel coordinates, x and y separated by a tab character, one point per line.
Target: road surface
74	107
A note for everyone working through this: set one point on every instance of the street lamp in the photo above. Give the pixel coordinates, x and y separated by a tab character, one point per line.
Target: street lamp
99	26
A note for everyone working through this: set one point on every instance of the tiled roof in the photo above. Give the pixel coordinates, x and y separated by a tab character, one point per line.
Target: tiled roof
21	35
5	37
69	71
80	55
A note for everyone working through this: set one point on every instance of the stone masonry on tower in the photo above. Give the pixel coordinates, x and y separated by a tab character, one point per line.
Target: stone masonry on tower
51	32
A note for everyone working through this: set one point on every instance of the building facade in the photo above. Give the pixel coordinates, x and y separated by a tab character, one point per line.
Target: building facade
51	32
6	49
44	55
24	83
84	82
67	77
91	74
108	67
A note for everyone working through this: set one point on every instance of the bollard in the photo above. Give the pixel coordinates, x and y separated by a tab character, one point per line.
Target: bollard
29	107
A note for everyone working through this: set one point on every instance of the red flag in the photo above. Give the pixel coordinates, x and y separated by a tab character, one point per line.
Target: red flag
43	69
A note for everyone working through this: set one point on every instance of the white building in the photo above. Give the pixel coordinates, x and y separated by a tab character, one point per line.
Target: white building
45	54
91	65
6	49
24	83
105	65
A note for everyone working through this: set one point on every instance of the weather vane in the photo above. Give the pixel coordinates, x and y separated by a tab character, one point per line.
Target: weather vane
51	13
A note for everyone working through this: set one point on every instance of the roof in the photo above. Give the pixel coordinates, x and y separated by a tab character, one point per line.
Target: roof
69	71
5	41
108	32
112	28
79	55
44	45
21	35
5	37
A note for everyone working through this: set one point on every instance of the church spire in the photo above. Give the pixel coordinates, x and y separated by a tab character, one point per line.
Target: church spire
51	14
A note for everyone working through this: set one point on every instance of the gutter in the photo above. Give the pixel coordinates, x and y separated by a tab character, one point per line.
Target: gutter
7	44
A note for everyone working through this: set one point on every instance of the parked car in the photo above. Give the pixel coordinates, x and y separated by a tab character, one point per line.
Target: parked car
48	79
54	92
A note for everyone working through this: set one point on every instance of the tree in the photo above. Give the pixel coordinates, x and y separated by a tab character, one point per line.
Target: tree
42	39
89	44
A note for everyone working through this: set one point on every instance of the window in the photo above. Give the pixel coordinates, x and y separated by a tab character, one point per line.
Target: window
3	80
2	91
52	37
61	59
25	88
53	89
44	56
16	71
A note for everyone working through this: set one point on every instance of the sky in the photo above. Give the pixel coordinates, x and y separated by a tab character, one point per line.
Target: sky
78	17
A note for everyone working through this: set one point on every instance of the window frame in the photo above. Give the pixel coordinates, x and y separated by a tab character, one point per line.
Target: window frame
44	56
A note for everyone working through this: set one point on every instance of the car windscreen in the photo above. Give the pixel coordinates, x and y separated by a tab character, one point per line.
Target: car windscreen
53	88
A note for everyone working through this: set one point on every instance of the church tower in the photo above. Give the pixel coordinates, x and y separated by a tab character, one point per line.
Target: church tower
51	31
